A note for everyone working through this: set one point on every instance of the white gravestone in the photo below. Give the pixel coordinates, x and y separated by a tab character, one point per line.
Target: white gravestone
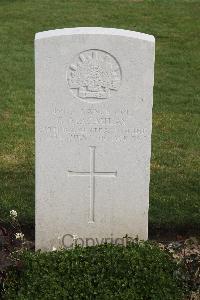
94	95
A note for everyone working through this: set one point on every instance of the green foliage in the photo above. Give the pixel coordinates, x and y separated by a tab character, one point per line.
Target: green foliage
174	196
139	271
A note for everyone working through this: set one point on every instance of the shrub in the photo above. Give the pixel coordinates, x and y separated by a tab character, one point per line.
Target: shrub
139	271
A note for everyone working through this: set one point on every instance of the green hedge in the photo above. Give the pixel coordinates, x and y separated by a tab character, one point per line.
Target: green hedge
138	271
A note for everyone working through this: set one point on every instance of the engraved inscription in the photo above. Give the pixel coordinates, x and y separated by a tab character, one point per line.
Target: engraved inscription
94	75
92	174
94	125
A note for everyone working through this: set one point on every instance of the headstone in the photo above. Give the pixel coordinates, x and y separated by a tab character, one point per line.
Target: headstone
94	94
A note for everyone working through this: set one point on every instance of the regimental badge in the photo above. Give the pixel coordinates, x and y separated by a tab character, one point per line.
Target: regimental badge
94	75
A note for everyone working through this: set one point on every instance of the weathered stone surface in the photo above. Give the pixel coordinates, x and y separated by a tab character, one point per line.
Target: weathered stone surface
94	93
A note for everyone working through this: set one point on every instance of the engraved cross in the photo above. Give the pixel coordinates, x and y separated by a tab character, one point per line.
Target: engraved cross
92	174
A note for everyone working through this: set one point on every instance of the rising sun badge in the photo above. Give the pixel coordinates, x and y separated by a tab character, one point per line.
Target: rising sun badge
94	75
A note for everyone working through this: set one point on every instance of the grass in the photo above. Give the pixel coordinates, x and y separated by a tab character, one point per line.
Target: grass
174	188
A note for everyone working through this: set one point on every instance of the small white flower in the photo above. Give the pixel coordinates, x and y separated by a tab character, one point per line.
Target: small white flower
54	248
13	214
19	236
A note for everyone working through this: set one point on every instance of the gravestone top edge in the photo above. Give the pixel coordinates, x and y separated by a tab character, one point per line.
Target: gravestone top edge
96	31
